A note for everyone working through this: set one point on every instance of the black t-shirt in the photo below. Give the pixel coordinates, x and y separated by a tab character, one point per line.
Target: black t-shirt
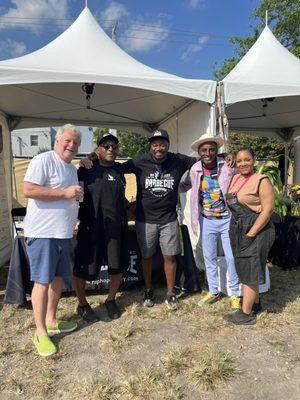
157	185
102	214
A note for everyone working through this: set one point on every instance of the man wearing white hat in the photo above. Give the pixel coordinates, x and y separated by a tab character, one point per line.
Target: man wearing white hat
209	179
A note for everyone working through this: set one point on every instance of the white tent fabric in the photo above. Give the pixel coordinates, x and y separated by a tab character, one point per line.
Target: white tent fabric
188	125
45	87
267	70
262	92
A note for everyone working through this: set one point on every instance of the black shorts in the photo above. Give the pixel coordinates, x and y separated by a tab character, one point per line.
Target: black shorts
92	252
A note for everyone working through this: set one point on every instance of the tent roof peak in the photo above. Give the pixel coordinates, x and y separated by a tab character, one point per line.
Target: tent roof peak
84	47
267	62
85	53
47	84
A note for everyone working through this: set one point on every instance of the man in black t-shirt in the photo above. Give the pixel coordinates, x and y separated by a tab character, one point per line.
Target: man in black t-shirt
101	237
158	174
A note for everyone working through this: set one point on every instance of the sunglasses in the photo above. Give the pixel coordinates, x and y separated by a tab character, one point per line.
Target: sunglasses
108	146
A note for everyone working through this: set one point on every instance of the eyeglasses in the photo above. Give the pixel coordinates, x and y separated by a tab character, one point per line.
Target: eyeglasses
107	146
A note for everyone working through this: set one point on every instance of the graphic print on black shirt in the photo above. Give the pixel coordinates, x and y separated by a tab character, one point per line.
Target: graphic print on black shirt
157	186
159	183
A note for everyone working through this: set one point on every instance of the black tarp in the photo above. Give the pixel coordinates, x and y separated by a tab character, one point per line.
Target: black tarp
187	277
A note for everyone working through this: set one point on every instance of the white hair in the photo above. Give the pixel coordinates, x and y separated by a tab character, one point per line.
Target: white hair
68	127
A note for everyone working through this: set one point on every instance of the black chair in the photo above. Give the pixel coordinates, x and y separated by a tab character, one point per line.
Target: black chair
18	215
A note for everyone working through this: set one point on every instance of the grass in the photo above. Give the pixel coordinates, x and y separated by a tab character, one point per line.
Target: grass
151	383
293	307
177	359
14	384
135	310
277	343
11	349
213	367
92	389
120	336
154	353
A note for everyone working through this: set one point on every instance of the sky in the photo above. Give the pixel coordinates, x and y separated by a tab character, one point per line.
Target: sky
182	37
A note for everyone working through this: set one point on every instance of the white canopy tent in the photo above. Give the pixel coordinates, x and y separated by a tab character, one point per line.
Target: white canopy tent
50	87
261	94
45	87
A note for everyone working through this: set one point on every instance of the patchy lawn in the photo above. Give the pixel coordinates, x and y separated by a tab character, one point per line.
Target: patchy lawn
191	353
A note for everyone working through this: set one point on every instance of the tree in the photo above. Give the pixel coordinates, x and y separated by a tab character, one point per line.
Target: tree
131	144
42	150
264	148
283	18
97	132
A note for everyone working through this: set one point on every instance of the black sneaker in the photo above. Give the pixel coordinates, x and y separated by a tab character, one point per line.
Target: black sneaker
172	302
148	300
87	314
112	309
257	308
240	318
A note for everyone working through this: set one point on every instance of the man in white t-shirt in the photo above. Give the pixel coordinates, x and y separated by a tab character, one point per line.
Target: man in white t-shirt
51	186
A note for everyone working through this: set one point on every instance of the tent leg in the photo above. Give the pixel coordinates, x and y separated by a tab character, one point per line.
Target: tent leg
285	164
222	118
296	179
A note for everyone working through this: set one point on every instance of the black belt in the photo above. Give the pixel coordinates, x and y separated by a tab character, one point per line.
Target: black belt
217	217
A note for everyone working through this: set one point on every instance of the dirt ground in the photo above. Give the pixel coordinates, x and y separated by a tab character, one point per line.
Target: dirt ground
192	353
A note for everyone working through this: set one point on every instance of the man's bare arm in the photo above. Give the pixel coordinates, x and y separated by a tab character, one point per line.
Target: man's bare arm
38	192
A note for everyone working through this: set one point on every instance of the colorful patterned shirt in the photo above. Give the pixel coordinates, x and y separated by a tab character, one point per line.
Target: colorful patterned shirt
211	198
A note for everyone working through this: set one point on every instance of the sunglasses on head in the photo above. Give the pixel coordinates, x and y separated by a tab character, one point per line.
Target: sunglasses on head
107	146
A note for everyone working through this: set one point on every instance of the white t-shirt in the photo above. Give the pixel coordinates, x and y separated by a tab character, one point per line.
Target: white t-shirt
51	219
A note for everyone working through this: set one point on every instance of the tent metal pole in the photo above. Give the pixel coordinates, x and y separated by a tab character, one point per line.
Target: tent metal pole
223	117
213	119
14	121
177	133
286	146
296	177
219	111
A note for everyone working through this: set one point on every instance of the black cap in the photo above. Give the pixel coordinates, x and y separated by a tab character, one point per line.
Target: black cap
159	134
104	136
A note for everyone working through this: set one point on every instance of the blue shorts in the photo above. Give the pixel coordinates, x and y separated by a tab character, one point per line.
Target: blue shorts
48	258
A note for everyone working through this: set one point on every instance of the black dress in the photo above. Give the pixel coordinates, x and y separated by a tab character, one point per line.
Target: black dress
250	254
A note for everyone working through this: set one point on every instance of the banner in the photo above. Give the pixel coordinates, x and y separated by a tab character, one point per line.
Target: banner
5	226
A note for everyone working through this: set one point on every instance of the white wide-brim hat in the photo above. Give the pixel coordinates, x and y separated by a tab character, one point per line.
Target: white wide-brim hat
207	137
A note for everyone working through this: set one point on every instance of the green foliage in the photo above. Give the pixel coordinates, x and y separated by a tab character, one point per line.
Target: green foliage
263	147
274	175
42	150
131	144
97	132
283	19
